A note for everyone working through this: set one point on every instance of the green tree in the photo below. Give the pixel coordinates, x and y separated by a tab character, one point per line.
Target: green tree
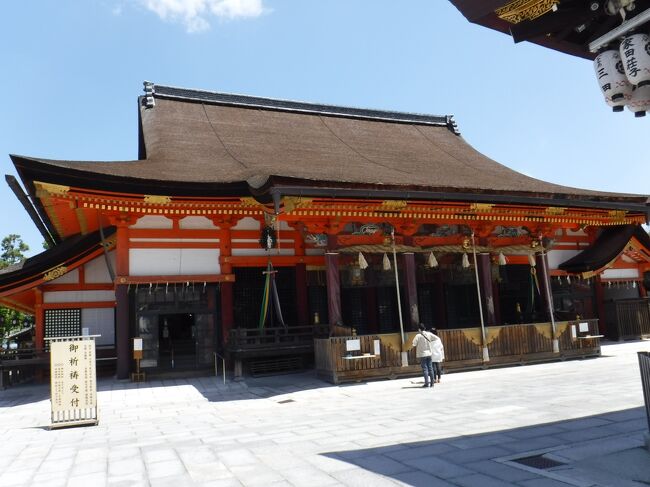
13	249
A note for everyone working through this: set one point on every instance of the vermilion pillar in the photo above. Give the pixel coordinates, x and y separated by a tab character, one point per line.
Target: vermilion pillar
487	288
302	295
39	321
227	288
122	316
410	285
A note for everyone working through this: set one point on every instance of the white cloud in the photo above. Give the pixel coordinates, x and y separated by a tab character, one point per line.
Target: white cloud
194	14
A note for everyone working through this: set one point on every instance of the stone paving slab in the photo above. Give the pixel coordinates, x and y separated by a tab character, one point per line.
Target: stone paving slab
295	430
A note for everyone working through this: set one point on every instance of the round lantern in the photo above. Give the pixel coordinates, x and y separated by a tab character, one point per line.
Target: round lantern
635	54
640	101
617	106
611	79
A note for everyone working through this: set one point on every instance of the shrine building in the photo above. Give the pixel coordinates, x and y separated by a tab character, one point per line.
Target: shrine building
276	234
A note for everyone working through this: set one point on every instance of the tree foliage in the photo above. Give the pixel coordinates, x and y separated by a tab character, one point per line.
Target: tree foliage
12	252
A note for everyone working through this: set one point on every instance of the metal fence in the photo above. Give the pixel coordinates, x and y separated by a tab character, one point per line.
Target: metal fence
644	365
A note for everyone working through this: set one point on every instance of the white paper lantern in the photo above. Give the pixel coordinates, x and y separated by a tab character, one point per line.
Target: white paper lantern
612	80
640	101
635	54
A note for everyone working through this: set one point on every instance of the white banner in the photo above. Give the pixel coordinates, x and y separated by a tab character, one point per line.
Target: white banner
73	381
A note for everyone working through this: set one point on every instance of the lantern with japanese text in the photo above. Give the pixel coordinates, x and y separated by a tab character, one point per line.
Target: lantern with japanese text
640	101
612	80
635	54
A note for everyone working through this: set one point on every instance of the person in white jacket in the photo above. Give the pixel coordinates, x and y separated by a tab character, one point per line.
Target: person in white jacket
422	345
437	355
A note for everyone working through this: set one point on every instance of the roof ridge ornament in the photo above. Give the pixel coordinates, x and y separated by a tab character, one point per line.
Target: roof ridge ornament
149	90
451	124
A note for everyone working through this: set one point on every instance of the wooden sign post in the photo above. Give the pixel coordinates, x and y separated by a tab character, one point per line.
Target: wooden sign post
73	381
137	376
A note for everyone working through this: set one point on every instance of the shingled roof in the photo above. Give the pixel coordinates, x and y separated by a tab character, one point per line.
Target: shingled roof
211	141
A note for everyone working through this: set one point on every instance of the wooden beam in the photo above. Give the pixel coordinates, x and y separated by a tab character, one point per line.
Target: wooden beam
174	279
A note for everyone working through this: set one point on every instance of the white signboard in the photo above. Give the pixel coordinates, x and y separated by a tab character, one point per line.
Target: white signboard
377	347
73	381
352	345
137	344
583	327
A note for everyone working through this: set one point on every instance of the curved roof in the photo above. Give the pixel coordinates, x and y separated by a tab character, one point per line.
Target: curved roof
209	141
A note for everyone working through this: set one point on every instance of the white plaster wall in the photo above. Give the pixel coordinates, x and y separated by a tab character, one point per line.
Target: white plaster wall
199	222
71	277
556	257
99	321
173	262
247	223
77	296
96	270
620	274
314	251
147	239
153	221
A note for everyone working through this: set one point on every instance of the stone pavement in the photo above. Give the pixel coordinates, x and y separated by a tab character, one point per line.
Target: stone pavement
578	423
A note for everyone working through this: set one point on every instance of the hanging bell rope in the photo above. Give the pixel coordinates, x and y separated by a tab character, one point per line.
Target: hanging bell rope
363	263
432	262
385	263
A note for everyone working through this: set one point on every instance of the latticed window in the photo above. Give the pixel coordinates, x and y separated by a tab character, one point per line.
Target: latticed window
62	323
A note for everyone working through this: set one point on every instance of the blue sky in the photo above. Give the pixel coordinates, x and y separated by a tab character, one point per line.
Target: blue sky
72	71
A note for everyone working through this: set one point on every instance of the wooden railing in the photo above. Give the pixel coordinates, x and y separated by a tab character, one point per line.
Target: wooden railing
511	344
255	342
628	319
20	365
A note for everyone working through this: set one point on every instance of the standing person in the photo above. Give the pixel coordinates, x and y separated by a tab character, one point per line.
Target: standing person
437	354
422	345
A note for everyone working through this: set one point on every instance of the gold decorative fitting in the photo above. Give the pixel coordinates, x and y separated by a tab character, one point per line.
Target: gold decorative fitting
617	214
249	201
51	189
54	273
481	207
393	205
292	202
466	243
153	199
555	210
520	10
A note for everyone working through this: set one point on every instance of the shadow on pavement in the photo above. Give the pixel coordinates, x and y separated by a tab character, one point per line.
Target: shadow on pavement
600	450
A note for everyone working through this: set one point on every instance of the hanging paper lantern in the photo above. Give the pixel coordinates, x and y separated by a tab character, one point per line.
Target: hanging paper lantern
465	261
502	259
568	280
635	54
385	263
531	260
432	261
612	80
633	284
363	264
640	101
